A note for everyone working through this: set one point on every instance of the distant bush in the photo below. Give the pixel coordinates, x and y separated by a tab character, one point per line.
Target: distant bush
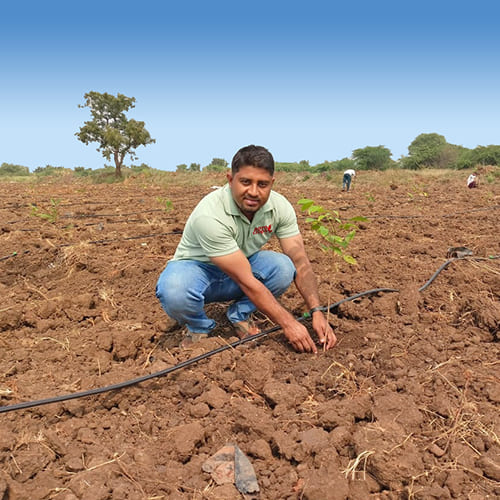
493	175
304	166
82	171
287	167
9	169
344	164
216	165
334	166
214	168
50	170
143	168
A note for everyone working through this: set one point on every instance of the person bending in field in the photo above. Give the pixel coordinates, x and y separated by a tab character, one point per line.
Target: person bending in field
347	179
473	180
219	258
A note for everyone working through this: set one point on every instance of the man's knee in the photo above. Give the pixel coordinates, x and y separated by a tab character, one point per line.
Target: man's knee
274	269
286	268
170	291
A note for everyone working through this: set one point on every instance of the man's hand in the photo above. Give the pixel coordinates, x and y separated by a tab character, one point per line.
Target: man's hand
299	337
324	331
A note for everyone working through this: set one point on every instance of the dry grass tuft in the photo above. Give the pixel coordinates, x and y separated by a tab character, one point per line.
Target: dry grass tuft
341	379
352	468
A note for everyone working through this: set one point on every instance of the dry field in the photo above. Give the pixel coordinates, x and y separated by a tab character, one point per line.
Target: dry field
406	406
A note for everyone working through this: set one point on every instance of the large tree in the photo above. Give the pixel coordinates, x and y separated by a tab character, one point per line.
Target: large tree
116	135
425	151
372	158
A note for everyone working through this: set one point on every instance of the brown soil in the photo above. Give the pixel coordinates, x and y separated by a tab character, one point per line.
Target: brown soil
405	406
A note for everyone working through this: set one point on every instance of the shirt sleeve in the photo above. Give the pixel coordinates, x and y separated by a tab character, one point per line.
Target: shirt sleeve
214	237
287	226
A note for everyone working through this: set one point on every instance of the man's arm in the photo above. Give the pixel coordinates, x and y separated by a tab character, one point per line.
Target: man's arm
237	267
306	283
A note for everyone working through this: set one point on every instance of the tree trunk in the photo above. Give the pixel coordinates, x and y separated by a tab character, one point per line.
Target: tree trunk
118	164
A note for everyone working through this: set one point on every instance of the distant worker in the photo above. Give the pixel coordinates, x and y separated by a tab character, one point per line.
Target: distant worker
473	180
347	179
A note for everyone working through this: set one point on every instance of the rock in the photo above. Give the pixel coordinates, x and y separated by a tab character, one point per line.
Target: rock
393	457
231	465
3	489
124	345
288	395
340	437
199	410
325	484
436	450
86	436
260	449
55	443
73	464
284	444
186	437
215	397
493	392
221	465
313	440
144	458
489	467
244	474
400	408
7	440
252	420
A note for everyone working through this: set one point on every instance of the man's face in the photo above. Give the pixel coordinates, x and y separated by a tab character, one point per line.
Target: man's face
250	187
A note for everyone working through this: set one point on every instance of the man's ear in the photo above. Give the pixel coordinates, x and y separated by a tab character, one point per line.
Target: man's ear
229	177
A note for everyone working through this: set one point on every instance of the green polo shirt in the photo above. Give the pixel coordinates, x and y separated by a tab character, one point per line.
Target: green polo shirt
216	227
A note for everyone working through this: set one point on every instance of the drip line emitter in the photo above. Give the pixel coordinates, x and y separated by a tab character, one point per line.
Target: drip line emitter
233	345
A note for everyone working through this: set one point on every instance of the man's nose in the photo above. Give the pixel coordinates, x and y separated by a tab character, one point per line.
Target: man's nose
253	190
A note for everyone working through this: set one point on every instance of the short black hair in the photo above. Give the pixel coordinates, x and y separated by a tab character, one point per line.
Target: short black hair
253	156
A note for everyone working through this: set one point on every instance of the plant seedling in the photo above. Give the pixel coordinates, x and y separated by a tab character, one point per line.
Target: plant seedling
52	215
168	205
336	233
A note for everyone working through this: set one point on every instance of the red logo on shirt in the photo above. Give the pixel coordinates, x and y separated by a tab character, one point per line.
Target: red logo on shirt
263	229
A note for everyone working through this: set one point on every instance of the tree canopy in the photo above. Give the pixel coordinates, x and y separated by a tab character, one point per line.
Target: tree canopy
116	135
372	158
425	151
216	165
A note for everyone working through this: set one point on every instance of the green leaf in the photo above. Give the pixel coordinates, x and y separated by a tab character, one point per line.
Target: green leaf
349	236
349	259
315	208
305	203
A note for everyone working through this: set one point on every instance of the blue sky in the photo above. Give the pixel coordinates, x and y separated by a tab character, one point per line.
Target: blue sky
310	80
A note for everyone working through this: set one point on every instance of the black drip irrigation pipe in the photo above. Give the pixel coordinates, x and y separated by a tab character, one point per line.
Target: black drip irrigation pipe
95	216
96	242
178	366
495	207
196	359
109	240
382	216
87	224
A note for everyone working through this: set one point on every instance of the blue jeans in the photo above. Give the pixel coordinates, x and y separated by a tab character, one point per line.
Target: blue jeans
185	286
346	182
